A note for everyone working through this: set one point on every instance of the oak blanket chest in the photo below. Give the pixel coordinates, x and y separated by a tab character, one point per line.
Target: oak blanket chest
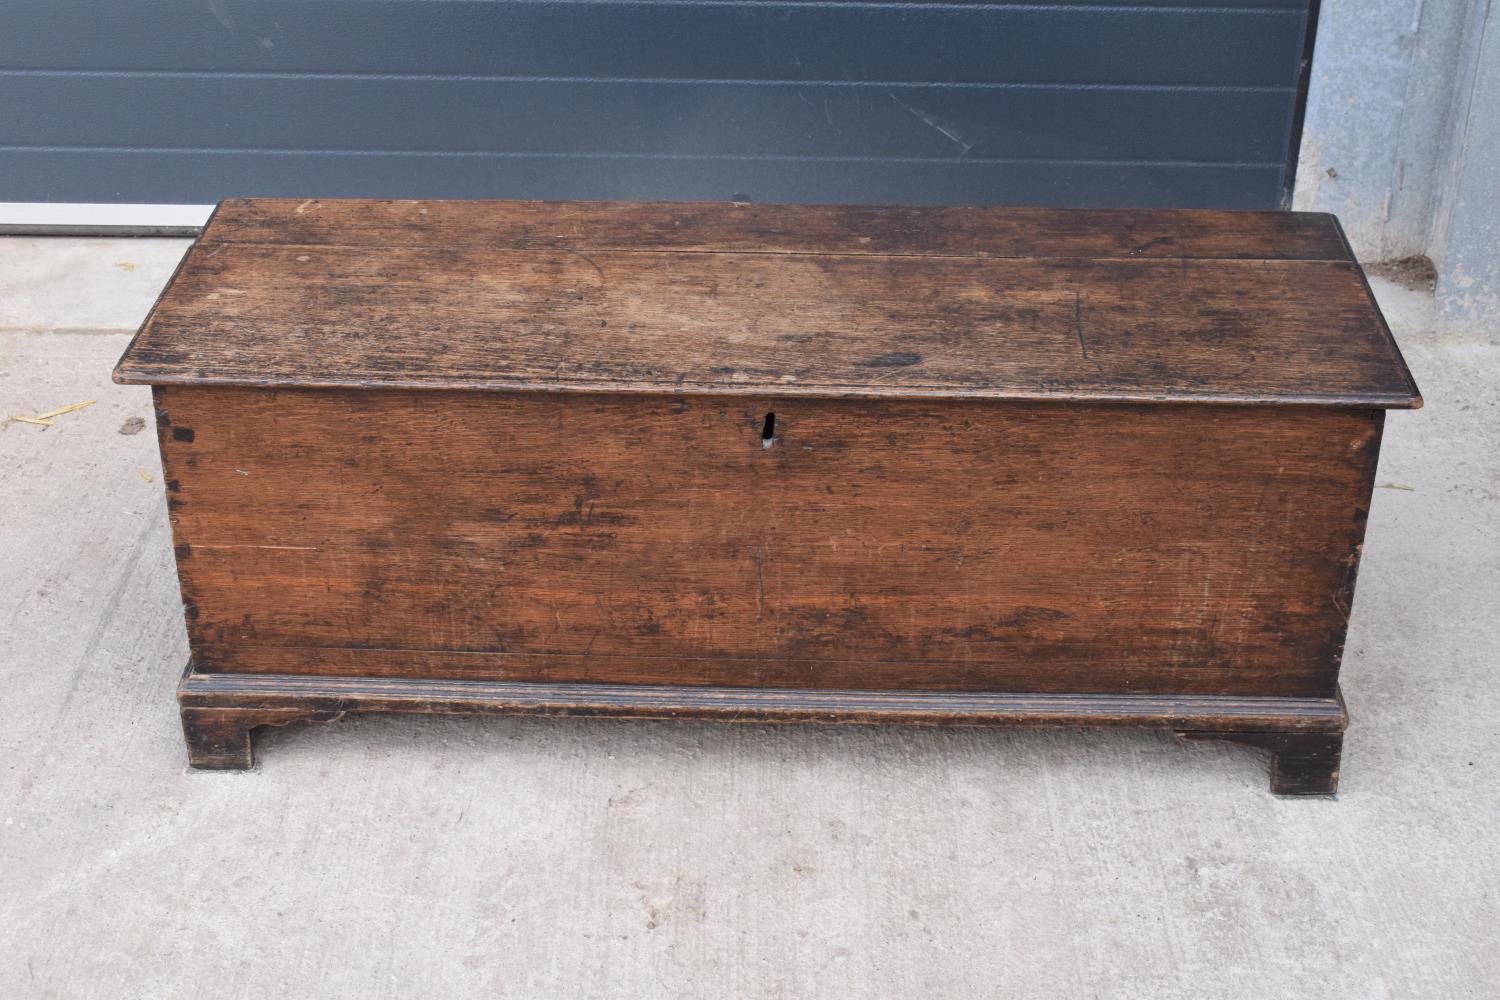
771	463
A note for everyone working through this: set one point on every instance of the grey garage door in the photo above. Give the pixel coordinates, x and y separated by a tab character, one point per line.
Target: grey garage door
1071	102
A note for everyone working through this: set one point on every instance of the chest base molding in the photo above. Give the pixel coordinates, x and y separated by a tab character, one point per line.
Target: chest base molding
219	712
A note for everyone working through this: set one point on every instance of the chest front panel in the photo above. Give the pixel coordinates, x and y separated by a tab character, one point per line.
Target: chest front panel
873	544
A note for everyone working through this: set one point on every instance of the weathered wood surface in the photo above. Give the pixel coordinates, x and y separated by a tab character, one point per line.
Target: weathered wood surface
891	545
1148	310
722	227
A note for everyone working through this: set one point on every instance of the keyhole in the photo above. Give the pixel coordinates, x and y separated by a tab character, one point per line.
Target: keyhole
768	431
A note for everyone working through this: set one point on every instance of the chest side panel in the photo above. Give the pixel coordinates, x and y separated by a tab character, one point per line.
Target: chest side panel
873	544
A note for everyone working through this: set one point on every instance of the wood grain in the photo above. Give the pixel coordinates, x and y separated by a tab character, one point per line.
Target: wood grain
773	463
722	227
1022	547
1280	332
325	697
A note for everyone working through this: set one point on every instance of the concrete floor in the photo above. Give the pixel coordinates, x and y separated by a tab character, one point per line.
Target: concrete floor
403	857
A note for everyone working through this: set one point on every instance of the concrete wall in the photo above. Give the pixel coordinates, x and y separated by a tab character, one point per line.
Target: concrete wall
1465	239
1402	139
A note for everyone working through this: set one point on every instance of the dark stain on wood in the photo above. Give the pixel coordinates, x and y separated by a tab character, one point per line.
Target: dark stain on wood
895	359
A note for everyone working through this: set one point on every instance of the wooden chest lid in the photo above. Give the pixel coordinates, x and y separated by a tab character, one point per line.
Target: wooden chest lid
956	303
